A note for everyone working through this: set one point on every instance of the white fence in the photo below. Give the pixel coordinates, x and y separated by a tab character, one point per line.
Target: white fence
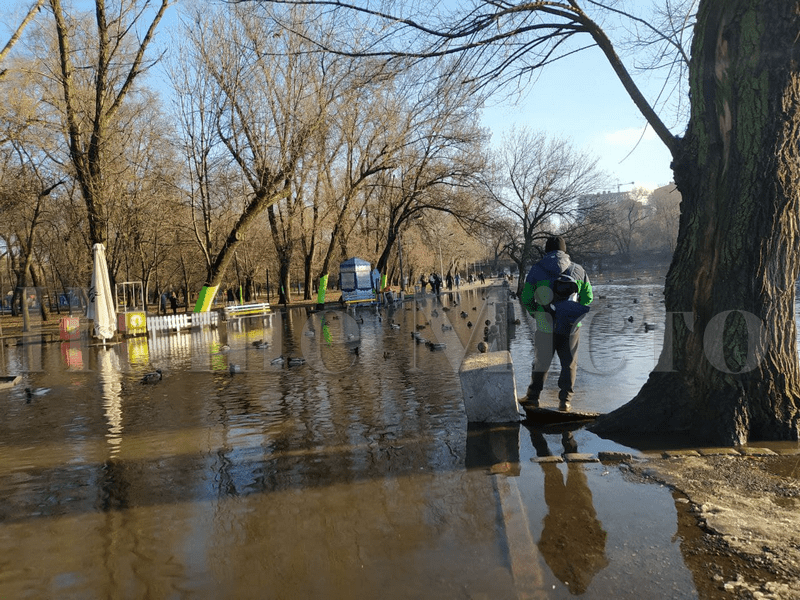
168	323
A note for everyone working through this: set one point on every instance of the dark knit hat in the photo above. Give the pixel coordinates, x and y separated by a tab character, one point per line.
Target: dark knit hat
555	243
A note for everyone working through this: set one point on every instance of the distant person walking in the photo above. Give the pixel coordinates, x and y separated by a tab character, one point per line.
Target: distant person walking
436	283
557	292
173	302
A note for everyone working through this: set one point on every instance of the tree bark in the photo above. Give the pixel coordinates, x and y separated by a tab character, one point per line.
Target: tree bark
728	372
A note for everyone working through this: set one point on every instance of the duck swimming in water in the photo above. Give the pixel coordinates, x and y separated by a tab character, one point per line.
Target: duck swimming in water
31	392
153	377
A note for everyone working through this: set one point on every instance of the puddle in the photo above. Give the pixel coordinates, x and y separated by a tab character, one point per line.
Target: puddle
354	474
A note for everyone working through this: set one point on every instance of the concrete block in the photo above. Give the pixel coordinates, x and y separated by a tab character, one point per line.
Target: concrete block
577	457
547	459
750	451
612	456
487	382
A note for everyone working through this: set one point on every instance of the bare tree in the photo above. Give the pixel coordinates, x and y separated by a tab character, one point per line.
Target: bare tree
363	144
540	184
664	206
626	215
15	37
440	160
270	101
92	97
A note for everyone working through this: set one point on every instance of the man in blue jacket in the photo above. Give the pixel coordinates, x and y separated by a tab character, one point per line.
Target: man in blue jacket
557	292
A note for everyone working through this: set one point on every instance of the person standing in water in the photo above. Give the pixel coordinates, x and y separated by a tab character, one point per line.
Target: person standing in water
554	278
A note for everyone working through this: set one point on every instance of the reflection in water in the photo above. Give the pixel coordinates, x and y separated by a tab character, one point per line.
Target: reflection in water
493	446
110	378
280	481
573	540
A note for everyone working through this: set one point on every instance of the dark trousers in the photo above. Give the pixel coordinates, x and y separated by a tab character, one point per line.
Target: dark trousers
566	347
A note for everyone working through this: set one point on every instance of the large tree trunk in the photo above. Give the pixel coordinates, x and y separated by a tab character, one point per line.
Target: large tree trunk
728	372
284	293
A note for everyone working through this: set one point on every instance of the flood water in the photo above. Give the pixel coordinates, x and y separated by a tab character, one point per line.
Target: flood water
351	475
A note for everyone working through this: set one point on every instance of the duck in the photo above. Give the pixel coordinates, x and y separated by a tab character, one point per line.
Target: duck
278	360
30	393
435	313
446	327
436	345
224	348
630	319
152	377
469	324
421	340
649	326
234	368
261	344
394	325
296	361
464	314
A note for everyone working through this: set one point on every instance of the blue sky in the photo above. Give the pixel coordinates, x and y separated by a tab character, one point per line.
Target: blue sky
580	98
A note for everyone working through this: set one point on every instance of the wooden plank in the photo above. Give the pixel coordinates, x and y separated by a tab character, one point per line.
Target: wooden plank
543	415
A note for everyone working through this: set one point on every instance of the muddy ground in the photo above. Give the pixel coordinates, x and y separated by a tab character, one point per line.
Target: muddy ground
747	544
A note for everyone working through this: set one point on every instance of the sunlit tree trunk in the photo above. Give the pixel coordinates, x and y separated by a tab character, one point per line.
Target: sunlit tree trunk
729	369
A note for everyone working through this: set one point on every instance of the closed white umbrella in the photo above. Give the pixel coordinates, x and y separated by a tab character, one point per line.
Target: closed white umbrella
101	302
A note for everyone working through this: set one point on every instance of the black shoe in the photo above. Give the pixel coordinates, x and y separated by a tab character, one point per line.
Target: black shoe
528	402
564	406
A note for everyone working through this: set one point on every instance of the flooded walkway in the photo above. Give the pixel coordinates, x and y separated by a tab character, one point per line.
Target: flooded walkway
351	474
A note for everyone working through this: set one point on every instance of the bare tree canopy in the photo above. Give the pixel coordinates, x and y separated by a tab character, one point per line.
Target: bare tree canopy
497	43
36	7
